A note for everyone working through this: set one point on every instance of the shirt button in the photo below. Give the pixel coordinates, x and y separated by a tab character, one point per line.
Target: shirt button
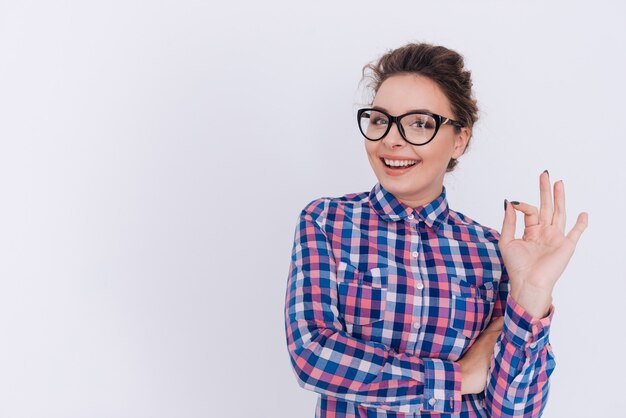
411	216
420	285
415	254
416	325
432	401
533	344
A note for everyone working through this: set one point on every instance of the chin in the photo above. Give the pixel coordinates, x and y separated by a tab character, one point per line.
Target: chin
395	185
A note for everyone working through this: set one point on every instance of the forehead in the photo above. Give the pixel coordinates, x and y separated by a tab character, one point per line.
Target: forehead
403	93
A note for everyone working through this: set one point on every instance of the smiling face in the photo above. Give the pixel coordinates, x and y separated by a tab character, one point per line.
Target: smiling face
422	182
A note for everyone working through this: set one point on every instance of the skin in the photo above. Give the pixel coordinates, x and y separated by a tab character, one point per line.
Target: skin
534	262
422	184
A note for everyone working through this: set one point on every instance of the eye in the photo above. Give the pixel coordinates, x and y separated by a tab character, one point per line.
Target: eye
419	121
379	121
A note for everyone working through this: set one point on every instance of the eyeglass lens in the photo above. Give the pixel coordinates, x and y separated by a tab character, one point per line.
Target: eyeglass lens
417	128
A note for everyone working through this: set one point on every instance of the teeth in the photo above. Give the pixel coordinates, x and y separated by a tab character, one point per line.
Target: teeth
399	163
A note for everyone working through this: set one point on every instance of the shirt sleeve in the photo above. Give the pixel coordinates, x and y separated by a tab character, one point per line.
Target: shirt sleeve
518	379
328	360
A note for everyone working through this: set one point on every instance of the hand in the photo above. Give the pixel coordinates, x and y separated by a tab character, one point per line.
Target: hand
476	361
535	262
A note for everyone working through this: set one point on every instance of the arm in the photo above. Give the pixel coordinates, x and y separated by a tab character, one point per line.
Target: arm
522	362
328	360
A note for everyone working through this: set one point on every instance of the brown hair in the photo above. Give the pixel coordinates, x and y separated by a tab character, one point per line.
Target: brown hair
442	65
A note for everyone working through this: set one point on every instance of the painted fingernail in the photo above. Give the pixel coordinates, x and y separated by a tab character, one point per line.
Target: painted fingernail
546	171
514	202
504	204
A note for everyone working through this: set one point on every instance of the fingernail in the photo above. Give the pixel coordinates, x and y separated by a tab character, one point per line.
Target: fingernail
546	171
505	204
514	202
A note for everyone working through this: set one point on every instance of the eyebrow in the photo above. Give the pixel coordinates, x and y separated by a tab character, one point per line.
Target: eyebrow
411	110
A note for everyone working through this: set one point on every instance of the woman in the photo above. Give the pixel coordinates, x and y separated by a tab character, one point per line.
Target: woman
398	305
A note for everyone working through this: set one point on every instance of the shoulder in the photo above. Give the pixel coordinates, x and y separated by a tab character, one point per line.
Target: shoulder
321	208
475	229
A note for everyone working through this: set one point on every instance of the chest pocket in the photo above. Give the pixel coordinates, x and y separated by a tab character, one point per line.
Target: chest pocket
362	294
471	306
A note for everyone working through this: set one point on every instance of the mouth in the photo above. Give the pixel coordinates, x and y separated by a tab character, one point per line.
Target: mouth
399	166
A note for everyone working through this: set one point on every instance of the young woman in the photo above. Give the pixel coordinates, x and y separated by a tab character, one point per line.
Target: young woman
397	305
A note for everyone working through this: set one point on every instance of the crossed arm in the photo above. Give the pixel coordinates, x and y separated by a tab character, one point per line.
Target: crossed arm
329	361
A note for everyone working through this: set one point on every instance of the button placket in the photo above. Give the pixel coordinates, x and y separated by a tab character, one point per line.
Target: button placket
418	286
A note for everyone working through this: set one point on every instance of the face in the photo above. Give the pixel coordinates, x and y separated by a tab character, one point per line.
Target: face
422	182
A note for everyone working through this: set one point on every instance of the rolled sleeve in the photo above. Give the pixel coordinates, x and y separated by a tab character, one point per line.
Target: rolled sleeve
523	330
530	360
442	386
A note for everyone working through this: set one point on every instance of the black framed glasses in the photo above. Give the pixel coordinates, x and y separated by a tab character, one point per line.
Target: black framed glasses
417	128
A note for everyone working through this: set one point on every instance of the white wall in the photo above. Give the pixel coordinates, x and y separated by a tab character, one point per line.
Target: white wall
154	156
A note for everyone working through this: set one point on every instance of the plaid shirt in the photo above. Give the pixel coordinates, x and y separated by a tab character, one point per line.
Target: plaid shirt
382	299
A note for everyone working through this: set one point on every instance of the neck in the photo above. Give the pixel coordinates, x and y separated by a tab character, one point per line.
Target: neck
424	199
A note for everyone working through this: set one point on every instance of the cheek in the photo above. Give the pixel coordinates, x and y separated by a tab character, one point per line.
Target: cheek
437	150
370	146
370	149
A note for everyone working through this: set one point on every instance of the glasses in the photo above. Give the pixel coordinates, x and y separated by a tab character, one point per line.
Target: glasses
417	128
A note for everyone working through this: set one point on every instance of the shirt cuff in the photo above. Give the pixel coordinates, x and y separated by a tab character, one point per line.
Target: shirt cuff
524	330
442	386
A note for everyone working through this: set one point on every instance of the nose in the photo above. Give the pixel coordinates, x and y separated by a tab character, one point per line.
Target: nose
393	139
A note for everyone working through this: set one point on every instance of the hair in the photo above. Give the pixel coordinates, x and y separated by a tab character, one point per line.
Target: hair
442	65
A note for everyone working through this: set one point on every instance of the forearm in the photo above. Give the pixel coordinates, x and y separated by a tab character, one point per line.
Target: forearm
518	380
330	361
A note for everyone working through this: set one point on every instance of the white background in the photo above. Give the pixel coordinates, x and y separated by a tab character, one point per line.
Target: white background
155	155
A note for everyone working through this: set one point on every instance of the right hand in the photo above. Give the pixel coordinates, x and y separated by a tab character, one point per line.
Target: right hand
476	361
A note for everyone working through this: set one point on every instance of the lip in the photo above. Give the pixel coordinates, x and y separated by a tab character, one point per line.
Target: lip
398	171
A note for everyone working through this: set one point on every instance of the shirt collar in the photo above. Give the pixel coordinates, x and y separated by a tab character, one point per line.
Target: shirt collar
390	208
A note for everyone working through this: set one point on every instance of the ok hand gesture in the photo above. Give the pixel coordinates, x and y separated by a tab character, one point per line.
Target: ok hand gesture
535	262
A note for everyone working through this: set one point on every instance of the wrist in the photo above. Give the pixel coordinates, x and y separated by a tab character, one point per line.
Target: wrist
536	301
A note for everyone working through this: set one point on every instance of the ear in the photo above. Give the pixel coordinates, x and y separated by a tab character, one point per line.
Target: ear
460	142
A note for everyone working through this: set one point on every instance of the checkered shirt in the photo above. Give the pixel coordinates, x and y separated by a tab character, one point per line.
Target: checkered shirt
382	300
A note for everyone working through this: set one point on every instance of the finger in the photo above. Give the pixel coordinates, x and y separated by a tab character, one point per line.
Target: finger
581	225
558	218
545	207
531	214
508	225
